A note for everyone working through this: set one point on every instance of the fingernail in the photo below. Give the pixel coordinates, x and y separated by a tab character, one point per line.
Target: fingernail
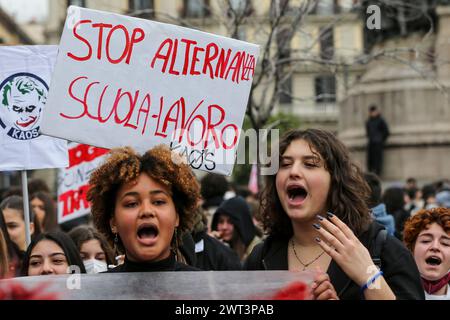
314	285
330	215
317	239
317	226
320	217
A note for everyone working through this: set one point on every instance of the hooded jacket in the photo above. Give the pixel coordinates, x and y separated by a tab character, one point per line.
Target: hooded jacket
397	263
239	212
380	214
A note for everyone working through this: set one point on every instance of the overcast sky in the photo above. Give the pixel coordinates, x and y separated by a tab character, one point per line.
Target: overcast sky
26	10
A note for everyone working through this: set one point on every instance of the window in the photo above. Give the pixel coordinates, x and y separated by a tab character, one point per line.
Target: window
326	7
196	9
279	7
286	91
325	89
142	8
241	7
326	43
78	3
284	54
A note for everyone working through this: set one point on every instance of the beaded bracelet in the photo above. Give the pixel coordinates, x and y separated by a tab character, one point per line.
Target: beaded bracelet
371	281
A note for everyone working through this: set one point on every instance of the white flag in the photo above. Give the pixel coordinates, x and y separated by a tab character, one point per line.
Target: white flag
25	73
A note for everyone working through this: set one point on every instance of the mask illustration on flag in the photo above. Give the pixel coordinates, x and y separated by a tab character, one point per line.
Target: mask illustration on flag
22	99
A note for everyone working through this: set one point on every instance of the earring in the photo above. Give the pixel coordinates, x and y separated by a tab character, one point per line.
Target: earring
116	242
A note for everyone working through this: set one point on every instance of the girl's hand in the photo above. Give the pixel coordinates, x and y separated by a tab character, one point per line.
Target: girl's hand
322	289
216	234
341	244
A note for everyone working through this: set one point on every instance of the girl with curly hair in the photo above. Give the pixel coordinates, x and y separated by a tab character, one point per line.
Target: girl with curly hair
143	204
427	235
314	210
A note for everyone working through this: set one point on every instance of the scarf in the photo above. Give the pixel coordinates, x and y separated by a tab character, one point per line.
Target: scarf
433	286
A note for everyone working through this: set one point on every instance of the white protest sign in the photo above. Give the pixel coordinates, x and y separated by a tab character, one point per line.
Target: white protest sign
25	73
73	181
122	81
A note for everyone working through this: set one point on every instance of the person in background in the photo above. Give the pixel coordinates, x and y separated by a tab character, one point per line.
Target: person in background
414	200
11	191
14	254
377	132
233	224
411	183
44	209
52	253
213	188
4	263
429	196
394	199
211	253
95	251
443	193
427	199
427	235
378	208
315	213
144	204
13	214
38	185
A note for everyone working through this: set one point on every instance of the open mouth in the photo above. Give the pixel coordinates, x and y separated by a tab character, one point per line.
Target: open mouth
147	232
433	261
297	193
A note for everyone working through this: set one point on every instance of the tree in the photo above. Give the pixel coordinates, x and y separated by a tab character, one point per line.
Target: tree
276	28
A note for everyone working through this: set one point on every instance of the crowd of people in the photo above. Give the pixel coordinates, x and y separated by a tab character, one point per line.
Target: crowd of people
318	212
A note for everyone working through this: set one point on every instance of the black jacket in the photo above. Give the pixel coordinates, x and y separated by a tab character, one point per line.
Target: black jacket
215	256
397	264
169	264
239	212
377	130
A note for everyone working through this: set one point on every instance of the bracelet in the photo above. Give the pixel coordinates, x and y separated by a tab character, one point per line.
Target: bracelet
371	281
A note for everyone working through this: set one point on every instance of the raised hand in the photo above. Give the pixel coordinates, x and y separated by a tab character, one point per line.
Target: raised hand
341	244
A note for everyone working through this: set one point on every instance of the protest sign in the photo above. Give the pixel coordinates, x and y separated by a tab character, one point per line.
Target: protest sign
122	81
73	181
25	73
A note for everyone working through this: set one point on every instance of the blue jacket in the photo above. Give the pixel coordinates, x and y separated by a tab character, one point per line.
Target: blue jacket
381	216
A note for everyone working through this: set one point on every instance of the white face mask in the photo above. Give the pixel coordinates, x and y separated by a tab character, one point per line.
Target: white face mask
95	266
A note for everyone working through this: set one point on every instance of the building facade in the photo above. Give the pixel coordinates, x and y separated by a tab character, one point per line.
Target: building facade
414	99
331	32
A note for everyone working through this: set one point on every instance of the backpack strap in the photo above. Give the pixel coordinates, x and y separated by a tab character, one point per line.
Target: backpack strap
377	247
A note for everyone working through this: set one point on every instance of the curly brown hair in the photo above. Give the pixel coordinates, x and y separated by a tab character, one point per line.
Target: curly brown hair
421	220
125	165
348	194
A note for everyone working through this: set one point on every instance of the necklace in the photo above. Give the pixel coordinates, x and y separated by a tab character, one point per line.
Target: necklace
305	265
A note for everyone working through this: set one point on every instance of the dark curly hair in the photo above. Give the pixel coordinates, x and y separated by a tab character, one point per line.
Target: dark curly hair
348	193
125	165
420	221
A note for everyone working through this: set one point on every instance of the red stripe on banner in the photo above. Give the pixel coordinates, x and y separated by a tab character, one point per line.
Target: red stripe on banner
73	199
84	153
